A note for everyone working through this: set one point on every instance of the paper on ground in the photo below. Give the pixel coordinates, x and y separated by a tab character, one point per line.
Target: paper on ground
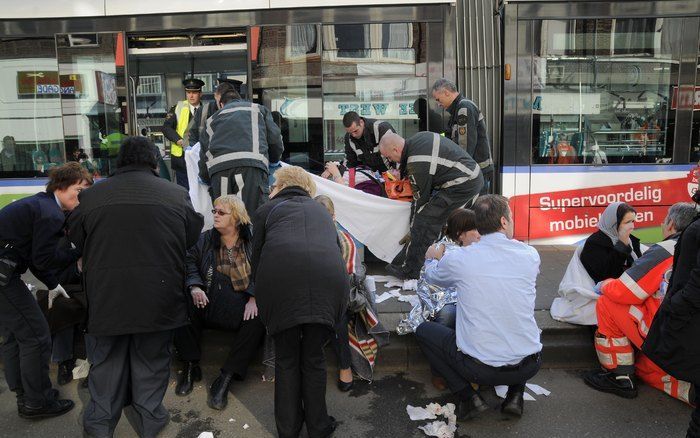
412	299
386	295
245	426
206	435
528	397
537	389
383	278
439	429
417	413
81	370
410	284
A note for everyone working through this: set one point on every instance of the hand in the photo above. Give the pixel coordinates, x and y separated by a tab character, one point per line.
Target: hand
199	298
180	142
435	251
405	239
251	309
80	265
332	171
53	293
598	288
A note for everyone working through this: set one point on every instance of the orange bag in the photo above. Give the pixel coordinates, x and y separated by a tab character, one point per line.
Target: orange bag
399	189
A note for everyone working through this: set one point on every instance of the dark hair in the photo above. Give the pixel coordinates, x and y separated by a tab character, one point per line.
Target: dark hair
227	93
489	210
138	150
458	222
64	176
622	210
351	117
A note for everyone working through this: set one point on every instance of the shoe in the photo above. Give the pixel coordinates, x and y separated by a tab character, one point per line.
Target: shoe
471	407
345	386
65	372
513	404
52	408
218	393
332	427
190	374
619	384
439	383
19	393
396	271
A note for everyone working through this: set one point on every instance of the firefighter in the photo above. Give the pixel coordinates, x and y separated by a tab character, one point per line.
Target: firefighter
625	310
362	140
443	177
466	126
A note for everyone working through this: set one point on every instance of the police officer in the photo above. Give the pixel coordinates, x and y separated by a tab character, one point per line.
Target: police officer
443	177
29	236
466	127
184	124
362	141
238	144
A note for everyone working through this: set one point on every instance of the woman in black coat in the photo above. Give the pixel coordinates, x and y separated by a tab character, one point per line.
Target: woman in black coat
302	290
609	251
222	296
672	342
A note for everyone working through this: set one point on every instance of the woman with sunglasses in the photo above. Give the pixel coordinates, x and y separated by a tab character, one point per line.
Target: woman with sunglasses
221	291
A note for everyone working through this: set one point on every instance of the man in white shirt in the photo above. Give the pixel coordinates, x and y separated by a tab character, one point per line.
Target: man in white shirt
496	341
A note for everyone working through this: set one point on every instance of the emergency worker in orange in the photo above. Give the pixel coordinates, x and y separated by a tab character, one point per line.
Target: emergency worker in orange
625	310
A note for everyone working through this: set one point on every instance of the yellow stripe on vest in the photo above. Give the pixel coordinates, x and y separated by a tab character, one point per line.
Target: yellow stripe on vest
183	119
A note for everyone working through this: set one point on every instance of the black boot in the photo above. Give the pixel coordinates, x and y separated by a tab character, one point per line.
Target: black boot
190	374
619	384
65	372
218	393
19	392
51	408
513	404
471	407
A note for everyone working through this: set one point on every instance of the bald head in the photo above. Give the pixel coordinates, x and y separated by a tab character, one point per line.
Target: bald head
391	146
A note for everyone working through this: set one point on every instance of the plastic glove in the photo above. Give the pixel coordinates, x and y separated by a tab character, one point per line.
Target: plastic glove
53	293
598	288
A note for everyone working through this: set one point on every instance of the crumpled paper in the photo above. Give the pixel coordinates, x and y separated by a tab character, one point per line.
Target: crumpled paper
81	369
438	429
411	299
206	435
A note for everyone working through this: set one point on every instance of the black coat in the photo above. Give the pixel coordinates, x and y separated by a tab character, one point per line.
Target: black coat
300	276
672	342
134	230
604	260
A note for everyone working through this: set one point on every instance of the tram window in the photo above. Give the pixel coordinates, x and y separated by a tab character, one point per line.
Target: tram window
604	90
695	141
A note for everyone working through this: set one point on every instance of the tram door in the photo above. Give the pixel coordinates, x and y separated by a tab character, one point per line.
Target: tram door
93	94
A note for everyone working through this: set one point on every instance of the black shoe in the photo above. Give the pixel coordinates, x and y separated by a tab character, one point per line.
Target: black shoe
332	427
513	404
396	271
345	386
218	393
619	384
471	407
190	374
52	408
65	372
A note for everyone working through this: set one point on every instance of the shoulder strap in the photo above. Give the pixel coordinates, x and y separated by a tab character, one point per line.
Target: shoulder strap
351	176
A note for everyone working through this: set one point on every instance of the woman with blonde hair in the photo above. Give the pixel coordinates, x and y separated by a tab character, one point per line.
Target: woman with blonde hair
302	289
222	296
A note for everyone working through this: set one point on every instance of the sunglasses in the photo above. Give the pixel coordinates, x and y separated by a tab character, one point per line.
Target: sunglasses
218	212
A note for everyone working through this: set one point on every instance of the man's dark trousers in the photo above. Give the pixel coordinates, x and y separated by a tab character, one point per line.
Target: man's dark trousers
430	219
300	381
251	182
439	344
139	363
27	345
181	178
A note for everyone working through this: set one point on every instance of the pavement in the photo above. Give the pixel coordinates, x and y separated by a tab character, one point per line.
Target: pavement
402	377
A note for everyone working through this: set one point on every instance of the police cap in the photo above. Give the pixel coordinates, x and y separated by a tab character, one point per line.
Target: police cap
193	84
235	82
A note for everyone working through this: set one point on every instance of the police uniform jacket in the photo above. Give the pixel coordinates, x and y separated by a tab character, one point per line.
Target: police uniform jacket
432	162
33	226
467	128
364	151
194	129
241	134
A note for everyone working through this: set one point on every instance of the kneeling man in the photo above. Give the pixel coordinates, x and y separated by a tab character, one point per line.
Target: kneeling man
625	310
496	341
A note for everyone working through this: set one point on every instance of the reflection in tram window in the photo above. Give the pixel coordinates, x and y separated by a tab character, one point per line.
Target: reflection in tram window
604	90
695	134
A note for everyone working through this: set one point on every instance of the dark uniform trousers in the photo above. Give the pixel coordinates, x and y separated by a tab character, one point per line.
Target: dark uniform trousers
439	344
244	344
300	381
251	184
132	367
429	220
26	349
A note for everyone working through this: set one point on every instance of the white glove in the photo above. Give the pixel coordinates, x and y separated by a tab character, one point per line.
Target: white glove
53	293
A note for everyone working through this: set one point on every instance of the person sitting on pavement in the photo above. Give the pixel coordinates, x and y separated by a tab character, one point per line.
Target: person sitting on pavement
612	249
302	290
438	303
222	296
443	177
496	340
626	309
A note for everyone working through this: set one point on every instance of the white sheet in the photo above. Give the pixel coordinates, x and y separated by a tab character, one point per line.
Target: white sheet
199	193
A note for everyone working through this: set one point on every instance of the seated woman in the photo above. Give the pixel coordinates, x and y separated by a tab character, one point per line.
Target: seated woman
612	249
221	287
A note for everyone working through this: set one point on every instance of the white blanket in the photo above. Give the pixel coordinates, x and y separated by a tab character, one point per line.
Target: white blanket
199	193
576	301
